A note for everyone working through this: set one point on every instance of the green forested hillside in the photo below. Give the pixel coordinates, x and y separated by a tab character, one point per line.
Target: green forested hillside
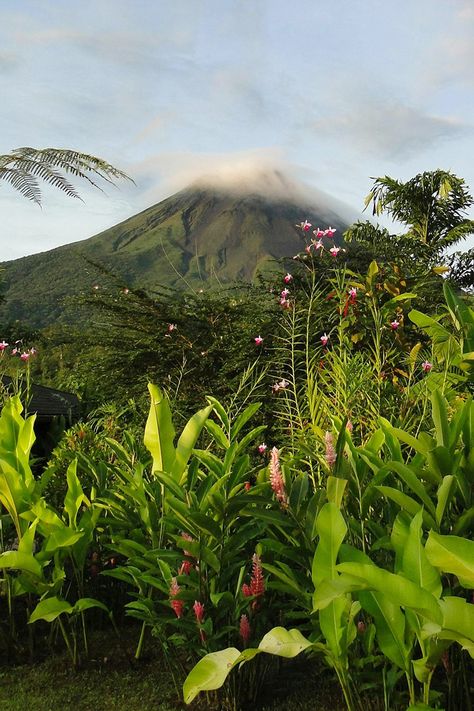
195	236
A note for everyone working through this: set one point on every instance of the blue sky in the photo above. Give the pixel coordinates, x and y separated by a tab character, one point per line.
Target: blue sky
332	92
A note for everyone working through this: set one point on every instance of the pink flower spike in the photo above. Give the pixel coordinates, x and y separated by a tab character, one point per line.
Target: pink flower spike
324	339
25	356
177	605
276	478
262	448
330	454
244	629
427	366
198	608
394	324
288	278
329	232
258	340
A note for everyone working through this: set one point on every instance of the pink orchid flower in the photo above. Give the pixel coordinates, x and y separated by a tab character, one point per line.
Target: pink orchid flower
3	345
262	448
335	251
318	233
258	340
353	293
427	366
324	339
288	278
394	324
25	356
172	327
318	245
285	293
329	232
305	226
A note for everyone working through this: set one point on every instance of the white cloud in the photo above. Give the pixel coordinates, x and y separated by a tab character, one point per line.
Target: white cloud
388	129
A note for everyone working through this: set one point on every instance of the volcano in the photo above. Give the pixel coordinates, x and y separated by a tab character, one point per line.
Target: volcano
203	235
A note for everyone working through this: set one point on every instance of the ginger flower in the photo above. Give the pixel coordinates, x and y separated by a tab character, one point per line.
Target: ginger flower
276	478
244	628
177	605
198	608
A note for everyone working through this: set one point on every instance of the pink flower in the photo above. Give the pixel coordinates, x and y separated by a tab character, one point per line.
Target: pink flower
25	356
427	366
247	486
324	339
276	387
244	628
246	590
285	292
172	327
177	605
353	293
198	608
262	448
318	233
284	303
257	582
334	251
318	245
329	232
3	345
330	454
258	340
288	278
15	351
305	226
308	248
394	324
276	478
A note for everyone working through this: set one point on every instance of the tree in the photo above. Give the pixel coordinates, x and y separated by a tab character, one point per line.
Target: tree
24	168
433	205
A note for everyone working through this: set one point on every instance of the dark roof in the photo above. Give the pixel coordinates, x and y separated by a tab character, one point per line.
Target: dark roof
48	402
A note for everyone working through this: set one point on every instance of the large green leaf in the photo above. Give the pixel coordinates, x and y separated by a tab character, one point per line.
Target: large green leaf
187	440
18	560
415	564
159	431
390	627
458	622
209	673
284	643
452	554
440	418
49	609
331	529
400	590
74	495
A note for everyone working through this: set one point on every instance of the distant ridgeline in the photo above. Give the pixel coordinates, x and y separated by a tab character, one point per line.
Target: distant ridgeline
197	236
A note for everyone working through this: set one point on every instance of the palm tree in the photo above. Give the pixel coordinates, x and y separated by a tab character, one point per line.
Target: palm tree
433	205
24	168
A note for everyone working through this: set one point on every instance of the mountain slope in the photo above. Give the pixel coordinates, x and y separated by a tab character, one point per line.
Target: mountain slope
198	235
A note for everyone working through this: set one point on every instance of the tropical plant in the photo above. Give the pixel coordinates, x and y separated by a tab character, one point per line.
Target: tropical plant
432	205
24	168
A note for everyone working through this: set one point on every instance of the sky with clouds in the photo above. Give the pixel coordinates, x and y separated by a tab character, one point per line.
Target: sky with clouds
333	92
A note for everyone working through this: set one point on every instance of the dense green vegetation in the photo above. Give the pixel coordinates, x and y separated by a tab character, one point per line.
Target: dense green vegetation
298	482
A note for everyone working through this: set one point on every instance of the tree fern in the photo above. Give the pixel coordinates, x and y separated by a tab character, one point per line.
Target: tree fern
25	168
